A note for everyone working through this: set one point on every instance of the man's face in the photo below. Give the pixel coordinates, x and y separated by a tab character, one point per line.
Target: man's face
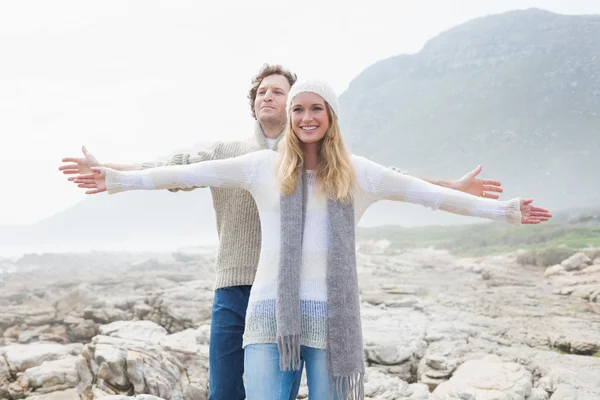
271	97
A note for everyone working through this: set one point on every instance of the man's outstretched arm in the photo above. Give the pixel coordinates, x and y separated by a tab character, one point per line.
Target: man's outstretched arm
82	165
469	183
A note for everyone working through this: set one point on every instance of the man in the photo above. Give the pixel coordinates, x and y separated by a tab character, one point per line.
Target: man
238	226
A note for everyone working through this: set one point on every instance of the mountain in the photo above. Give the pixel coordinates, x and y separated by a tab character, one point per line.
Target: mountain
518	92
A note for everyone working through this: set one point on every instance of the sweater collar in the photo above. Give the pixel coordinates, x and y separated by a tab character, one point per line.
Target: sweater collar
261	139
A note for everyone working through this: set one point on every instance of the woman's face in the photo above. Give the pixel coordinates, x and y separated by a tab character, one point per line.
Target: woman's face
310	120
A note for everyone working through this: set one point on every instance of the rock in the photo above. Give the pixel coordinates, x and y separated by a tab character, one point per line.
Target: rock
21	357
137	397
556	370
69	394
186	306
576	261
538	394
382	343
106	315
585	347
555	270
595	296
565	391
35	313
4	378
50	376
81	330
146	331
44	333
388	387
485	379
140	356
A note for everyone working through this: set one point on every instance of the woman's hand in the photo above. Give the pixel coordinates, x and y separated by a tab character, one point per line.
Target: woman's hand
531	214
95	181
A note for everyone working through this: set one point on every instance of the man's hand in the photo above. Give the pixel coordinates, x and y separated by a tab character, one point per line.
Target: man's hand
478	187
79	166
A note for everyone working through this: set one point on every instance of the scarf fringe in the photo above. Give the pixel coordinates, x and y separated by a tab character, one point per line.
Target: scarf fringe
351	387
289	352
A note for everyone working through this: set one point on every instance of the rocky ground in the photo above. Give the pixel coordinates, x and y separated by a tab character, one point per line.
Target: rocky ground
435	326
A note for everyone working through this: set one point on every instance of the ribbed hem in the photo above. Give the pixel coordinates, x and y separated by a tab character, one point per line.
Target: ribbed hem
513	213
235	276
249	339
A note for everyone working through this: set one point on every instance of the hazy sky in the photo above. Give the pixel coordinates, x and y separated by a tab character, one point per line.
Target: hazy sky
135	80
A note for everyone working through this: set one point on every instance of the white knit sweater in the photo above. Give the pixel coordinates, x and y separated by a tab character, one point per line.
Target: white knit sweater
256	173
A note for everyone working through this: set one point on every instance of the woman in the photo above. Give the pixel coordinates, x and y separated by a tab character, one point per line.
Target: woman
304	304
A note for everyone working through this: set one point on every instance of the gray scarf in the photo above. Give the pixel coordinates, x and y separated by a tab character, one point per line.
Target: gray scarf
344	333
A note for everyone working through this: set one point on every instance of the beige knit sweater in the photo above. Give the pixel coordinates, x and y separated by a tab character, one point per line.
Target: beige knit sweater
238	224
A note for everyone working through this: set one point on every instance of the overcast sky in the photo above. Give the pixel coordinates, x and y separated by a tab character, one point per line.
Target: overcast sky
135	80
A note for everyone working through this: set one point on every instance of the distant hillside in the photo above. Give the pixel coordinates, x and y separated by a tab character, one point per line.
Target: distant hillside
518	92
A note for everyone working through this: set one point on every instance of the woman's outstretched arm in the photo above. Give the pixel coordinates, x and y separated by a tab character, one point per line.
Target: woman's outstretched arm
380	183
233	172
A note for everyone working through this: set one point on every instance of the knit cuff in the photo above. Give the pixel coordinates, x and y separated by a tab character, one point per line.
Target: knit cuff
513	212
235	276
112	181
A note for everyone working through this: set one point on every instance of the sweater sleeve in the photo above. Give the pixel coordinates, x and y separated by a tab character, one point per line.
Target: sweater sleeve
207	154
381	183
235	172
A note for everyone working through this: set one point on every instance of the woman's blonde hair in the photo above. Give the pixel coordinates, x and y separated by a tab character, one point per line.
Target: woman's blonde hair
335	173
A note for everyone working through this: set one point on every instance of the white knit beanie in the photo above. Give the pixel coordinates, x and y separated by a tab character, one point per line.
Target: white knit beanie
317	86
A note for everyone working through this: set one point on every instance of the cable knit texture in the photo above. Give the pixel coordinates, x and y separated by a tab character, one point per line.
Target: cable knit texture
318	86
256	173
238	225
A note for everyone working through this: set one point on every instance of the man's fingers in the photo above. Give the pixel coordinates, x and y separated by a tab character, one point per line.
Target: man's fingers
72	159
475	172
67	166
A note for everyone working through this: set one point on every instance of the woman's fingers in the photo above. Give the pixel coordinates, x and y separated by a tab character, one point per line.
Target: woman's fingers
492	188
94	191
491	196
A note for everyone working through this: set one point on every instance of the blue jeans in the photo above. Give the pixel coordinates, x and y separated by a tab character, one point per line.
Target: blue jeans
226	355
265	381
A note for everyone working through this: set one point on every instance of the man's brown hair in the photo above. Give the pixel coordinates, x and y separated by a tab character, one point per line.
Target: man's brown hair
265	71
